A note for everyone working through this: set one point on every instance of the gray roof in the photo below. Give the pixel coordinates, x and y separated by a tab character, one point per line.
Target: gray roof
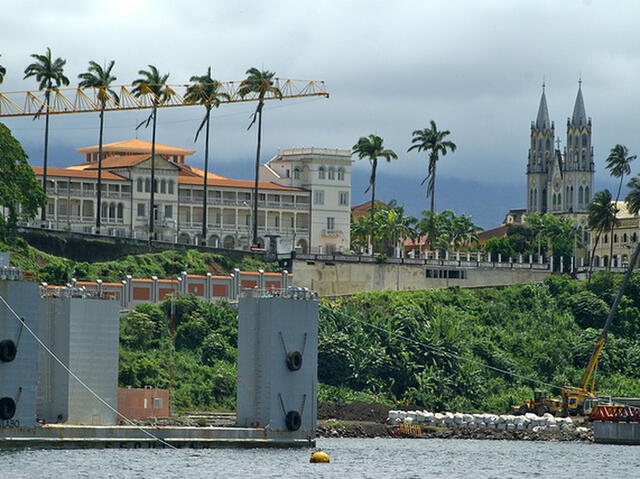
543	113
579	114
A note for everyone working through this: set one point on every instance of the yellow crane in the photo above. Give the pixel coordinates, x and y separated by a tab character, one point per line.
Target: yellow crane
87	100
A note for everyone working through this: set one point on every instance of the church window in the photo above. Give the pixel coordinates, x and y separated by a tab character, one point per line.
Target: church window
539	144
584	140
548	144
587	198
568	141
559	200
581	196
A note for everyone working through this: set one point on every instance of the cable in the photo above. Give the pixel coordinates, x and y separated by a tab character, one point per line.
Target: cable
82	383
447	353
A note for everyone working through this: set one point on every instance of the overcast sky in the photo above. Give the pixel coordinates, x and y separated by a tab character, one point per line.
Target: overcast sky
475	68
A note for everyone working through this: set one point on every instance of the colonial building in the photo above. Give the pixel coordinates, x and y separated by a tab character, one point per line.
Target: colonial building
623	239
326	175
303	208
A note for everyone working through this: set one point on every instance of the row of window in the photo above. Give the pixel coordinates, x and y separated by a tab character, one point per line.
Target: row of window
165	186
142	210
323	173
624	237
318	197
547	143
556	199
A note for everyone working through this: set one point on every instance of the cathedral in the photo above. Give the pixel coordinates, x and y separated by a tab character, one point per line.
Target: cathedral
560	182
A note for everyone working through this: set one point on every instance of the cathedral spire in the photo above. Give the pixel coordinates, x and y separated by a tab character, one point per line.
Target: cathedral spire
579	117
543	113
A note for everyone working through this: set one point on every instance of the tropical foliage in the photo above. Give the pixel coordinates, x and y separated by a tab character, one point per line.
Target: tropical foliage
429	348
601	217
540	235
20	194
3	72
432	141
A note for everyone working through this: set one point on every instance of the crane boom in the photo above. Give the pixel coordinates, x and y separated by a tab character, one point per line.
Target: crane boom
87	100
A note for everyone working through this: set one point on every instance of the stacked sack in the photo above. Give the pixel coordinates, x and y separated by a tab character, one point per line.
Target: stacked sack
504	422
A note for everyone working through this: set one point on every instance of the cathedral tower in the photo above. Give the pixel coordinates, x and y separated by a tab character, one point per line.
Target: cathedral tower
579	164
541	156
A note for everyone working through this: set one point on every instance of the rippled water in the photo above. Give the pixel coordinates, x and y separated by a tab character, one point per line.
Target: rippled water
357	458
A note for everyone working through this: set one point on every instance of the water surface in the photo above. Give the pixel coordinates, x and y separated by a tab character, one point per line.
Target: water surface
350	458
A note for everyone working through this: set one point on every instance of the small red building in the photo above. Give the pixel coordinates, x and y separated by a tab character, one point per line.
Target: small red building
142	403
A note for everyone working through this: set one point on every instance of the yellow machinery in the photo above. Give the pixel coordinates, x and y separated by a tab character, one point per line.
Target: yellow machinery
540	405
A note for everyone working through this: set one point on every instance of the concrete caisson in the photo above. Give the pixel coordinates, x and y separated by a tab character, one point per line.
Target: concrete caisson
277	363
19	352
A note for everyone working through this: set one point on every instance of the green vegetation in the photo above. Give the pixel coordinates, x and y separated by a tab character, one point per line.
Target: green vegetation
163	264
545	332
389	227
20	193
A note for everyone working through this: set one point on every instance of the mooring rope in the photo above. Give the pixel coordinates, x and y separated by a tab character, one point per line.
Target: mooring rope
80	381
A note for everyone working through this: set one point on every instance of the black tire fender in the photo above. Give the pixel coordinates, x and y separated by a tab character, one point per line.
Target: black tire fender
294	360
7	408
8	350
293	420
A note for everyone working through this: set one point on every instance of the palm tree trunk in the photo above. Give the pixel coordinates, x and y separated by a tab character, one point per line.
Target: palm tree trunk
204	187
433	187
593	252
257	174
373	203
153	178
99	196
613	225
44	169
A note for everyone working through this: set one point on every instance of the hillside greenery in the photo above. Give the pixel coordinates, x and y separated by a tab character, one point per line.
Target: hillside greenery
163	263
378	346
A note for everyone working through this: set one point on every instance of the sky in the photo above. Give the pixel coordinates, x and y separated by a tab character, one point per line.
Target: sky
476	68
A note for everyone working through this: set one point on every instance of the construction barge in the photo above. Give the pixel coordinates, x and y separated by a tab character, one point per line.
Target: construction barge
616	424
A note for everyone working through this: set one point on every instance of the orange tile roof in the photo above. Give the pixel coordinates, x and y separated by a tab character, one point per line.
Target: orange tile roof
137	146
119	161
191	170
263	185
69	173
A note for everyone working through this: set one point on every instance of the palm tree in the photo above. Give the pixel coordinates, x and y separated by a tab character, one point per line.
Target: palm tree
633	198
259	83
152	83
371	147
432	141
3	72
619	165
601	216
204	91
50	75
101	79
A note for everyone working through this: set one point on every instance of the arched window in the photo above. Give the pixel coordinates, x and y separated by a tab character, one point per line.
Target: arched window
170	187
163	186
584	140
112	210
535	197
340	174
120	211
606	238
548	145
625	238
634	237
140	185
321	173
155	186
105	210
296	173
332	173
615	238
559	200
581	196
587	198
147	185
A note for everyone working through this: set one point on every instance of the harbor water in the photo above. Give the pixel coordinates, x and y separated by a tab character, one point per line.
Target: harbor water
350	458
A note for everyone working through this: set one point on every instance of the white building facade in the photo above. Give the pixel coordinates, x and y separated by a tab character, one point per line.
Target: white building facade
326	174
286	207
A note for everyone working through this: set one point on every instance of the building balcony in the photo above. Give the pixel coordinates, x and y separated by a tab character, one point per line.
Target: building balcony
332	233
247	203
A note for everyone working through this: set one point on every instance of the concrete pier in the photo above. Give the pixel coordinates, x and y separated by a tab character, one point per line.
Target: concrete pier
65	436
616	432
